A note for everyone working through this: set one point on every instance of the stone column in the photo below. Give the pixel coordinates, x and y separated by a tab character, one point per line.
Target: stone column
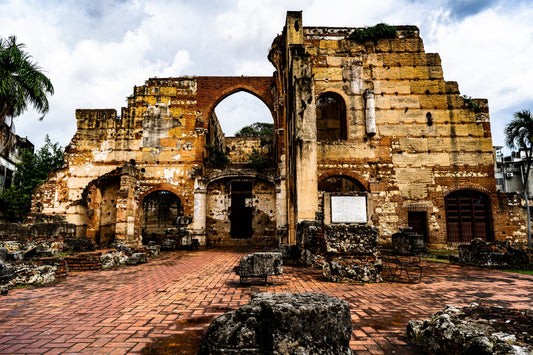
126	208
200	210
370	112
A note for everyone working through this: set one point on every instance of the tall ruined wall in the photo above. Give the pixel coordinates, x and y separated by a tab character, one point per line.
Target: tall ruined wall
160	132
157	143
427	141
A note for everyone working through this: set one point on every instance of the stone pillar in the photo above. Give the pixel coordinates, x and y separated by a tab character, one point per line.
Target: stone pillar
200	210
126	205
305	144
370	112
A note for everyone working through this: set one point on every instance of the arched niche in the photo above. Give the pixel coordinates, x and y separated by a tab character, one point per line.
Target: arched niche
331	122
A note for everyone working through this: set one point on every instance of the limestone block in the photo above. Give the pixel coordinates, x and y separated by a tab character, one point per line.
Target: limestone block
413	191
477	159
430	102
420	87
407	45
413	145
391	87
383	45
402	102
408	176
329	44
435	72
261	265
334	73
421	159
382	102
383	73
282	323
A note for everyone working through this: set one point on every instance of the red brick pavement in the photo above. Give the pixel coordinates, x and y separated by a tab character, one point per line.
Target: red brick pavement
120	311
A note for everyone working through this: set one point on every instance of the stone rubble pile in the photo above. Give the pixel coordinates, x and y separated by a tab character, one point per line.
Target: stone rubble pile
499	255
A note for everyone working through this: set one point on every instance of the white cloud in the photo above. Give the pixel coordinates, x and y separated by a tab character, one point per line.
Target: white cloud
96	51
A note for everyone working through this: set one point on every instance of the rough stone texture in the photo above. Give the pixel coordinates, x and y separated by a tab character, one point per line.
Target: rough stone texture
29	274
168	244
5	273
474	330
15	255
113	259
260	265
78	244
284	323
137	258
349	269
3	254
498	255
4	289
351	239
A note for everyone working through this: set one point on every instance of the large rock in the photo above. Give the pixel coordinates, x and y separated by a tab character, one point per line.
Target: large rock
351	239
283	323
350	269
137	258
260	265
5	273
3	254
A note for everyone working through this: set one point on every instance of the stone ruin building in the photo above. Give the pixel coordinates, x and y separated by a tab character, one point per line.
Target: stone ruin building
366	132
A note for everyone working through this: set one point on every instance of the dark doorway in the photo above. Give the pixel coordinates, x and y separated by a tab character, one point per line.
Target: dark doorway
241	209
160	210
468	216
418	221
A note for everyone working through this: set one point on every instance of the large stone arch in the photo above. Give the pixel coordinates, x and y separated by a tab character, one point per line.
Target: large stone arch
212	90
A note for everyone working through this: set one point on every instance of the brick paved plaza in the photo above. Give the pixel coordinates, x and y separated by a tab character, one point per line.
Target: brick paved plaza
121	311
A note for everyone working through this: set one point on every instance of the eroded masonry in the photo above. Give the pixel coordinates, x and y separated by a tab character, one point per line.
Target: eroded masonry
366	131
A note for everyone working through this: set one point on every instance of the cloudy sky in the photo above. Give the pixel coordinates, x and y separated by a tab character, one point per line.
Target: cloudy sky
95	51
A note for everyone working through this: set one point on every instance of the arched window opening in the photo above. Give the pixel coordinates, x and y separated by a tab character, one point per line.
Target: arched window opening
160	210
331	117
468	216
239	110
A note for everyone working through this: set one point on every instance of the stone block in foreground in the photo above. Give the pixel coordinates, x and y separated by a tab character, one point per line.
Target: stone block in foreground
282	323
260	265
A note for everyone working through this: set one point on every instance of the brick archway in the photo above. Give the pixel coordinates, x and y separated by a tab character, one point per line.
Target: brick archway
212	90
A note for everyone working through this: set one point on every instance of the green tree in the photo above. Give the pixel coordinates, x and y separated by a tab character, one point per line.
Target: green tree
258	129
22	84
519	135
30	173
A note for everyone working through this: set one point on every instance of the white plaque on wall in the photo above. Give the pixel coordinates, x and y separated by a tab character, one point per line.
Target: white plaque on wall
348	209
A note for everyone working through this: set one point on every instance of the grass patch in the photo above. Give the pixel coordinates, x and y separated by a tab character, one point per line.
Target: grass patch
527	272
445	261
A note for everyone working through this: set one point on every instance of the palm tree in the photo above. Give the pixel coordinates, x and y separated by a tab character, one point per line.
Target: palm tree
519	135
21	84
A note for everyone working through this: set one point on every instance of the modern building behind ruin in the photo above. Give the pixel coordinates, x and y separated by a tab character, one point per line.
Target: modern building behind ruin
365	131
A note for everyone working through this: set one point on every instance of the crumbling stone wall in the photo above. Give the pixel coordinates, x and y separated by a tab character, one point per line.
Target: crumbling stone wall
378	112
411	138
